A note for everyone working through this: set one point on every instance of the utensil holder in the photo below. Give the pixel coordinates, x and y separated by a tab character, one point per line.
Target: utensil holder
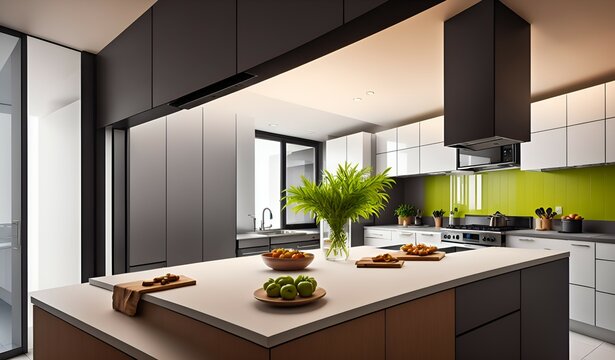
438	222
546	224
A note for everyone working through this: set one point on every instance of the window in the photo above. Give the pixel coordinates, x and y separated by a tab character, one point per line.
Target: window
274	173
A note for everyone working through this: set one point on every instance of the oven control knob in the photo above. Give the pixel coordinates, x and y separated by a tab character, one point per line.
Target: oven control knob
457	237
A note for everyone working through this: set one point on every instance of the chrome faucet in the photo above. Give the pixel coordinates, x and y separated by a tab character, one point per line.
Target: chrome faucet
263	227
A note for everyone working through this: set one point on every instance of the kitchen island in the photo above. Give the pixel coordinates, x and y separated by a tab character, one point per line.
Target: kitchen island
495	300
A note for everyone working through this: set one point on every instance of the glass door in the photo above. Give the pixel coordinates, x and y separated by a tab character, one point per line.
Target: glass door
12	277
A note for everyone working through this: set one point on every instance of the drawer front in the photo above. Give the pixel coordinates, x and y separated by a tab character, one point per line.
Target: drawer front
248	243
376	242
582	304
526	242
281	240
427	237
605	276
500	340
582	258
605	251
377	234
500	292
253	251
605	311
404	237
302	245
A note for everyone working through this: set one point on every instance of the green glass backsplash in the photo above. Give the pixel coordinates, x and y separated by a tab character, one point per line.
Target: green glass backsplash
586	191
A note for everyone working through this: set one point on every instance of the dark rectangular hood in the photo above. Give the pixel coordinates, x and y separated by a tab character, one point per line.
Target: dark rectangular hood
486	77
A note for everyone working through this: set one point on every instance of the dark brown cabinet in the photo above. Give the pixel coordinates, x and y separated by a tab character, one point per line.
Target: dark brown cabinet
356	8
124	73
500	339
269	28
194	45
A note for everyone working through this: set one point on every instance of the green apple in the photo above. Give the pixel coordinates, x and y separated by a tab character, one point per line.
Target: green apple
273	290
299	279
305	289
270	281
314	282
288	292
284	280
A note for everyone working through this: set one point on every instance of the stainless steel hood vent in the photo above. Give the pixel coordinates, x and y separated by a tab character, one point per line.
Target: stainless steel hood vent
486	77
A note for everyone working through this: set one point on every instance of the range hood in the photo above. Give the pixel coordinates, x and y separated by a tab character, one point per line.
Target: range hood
486	77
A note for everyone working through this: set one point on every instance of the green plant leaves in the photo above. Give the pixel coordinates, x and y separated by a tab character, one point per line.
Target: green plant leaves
350	193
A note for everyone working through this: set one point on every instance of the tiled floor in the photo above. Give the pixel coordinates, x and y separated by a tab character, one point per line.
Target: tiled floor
581	347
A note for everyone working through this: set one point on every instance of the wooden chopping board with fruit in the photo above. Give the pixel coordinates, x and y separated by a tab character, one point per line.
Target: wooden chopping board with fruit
420	252
380	261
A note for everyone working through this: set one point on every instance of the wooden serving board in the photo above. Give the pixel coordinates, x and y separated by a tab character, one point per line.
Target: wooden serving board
138	287
367	262
402	255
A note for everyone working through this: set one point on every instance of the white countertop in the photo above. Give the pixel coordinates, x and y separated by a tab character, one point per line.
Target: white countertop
223	294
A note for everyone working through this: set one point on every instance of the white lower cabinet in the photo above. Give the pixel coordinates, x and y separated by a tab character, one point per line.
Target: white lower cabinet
605	311
546	150
408	162
605	251
605	276
582	305
387	160
586	144
377	237
427	237
402	237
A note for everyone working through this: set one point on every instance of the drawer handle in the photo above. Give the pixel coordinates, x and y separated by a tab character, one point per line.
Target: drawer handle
547	249
526	239
254	253
427	234
580	245
407	233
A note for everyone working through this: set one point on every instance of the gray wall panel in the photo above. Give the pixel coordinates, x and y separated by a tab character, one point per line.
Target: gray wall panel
219	184
245	173
185	187
147	193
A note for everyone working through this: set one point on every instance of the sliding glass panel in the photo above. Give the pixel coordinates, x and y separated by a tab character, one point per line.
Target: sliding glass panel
11	299
267	157
300	162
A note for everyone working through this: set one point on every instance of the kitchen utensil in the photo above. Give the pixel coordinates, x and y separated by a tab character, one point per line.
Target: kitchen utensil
402	255
367	262
287	264
537	212
261	295
549	211
498	220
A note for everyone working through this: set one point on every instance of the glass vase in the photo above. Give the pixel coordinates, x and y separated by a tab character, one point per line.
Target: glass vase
336	240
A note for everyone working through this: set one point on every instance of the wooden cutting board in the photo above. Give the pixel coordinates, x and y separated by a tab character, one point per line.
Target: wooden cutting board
402	255
367	262
126	296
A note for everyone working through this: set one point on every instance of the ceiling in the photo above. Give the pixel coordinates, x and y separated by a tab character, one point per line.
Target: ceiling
572	48
85	25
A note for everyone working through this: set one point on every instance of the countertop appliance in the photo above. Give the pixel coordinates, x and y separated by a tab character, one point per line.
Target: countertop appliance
500	157
478	232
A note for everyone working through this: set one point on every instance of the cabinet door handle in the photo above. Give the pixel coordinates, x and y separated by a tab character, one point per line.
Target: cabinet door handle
254	253
580	245
526	239
547	249
427	234
406	233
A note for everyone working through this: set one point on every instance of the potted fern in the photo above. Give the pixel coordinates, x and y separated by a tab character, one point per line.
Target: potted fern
349	194
437	217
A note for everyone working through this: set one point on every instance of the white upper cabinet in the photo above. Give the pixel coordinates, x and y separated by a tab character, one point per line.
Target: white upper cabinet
437	158
359	149
432	131
386	160
408	161
386	141
586	144
547	150
408	136
549	114
335	153
610	140
610	100
355	149
586	105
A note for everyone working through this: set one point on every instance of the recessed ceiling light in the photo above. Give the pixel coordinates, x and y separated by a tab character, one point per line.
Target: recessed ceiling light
357	99
370	92
273	125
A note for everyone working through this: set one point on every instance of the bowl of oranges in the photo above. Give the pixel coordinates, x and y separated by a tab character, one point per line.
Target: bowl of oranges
287	259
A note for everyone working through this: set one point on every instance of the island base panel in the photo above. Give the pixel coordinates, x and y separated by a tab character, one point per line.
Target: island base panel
55	339
361	338
422	328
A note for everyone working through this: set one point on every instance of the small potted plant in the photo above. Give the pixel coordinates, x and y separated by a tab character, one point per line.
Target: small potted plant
405	213
452	220
437	217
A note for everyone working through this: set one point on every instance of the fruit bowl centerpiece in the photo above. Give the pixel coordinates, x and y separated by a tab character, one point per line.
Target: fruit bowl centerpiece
287	259
286	291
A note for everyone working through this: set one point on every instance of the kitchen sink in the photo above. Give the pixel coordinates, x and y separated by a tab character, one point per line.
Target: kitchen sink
280	232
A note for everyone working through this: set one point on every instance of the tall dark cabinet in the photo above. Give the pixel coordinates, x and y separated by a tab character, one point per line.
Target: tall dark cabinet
269	28
193	46
124	73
